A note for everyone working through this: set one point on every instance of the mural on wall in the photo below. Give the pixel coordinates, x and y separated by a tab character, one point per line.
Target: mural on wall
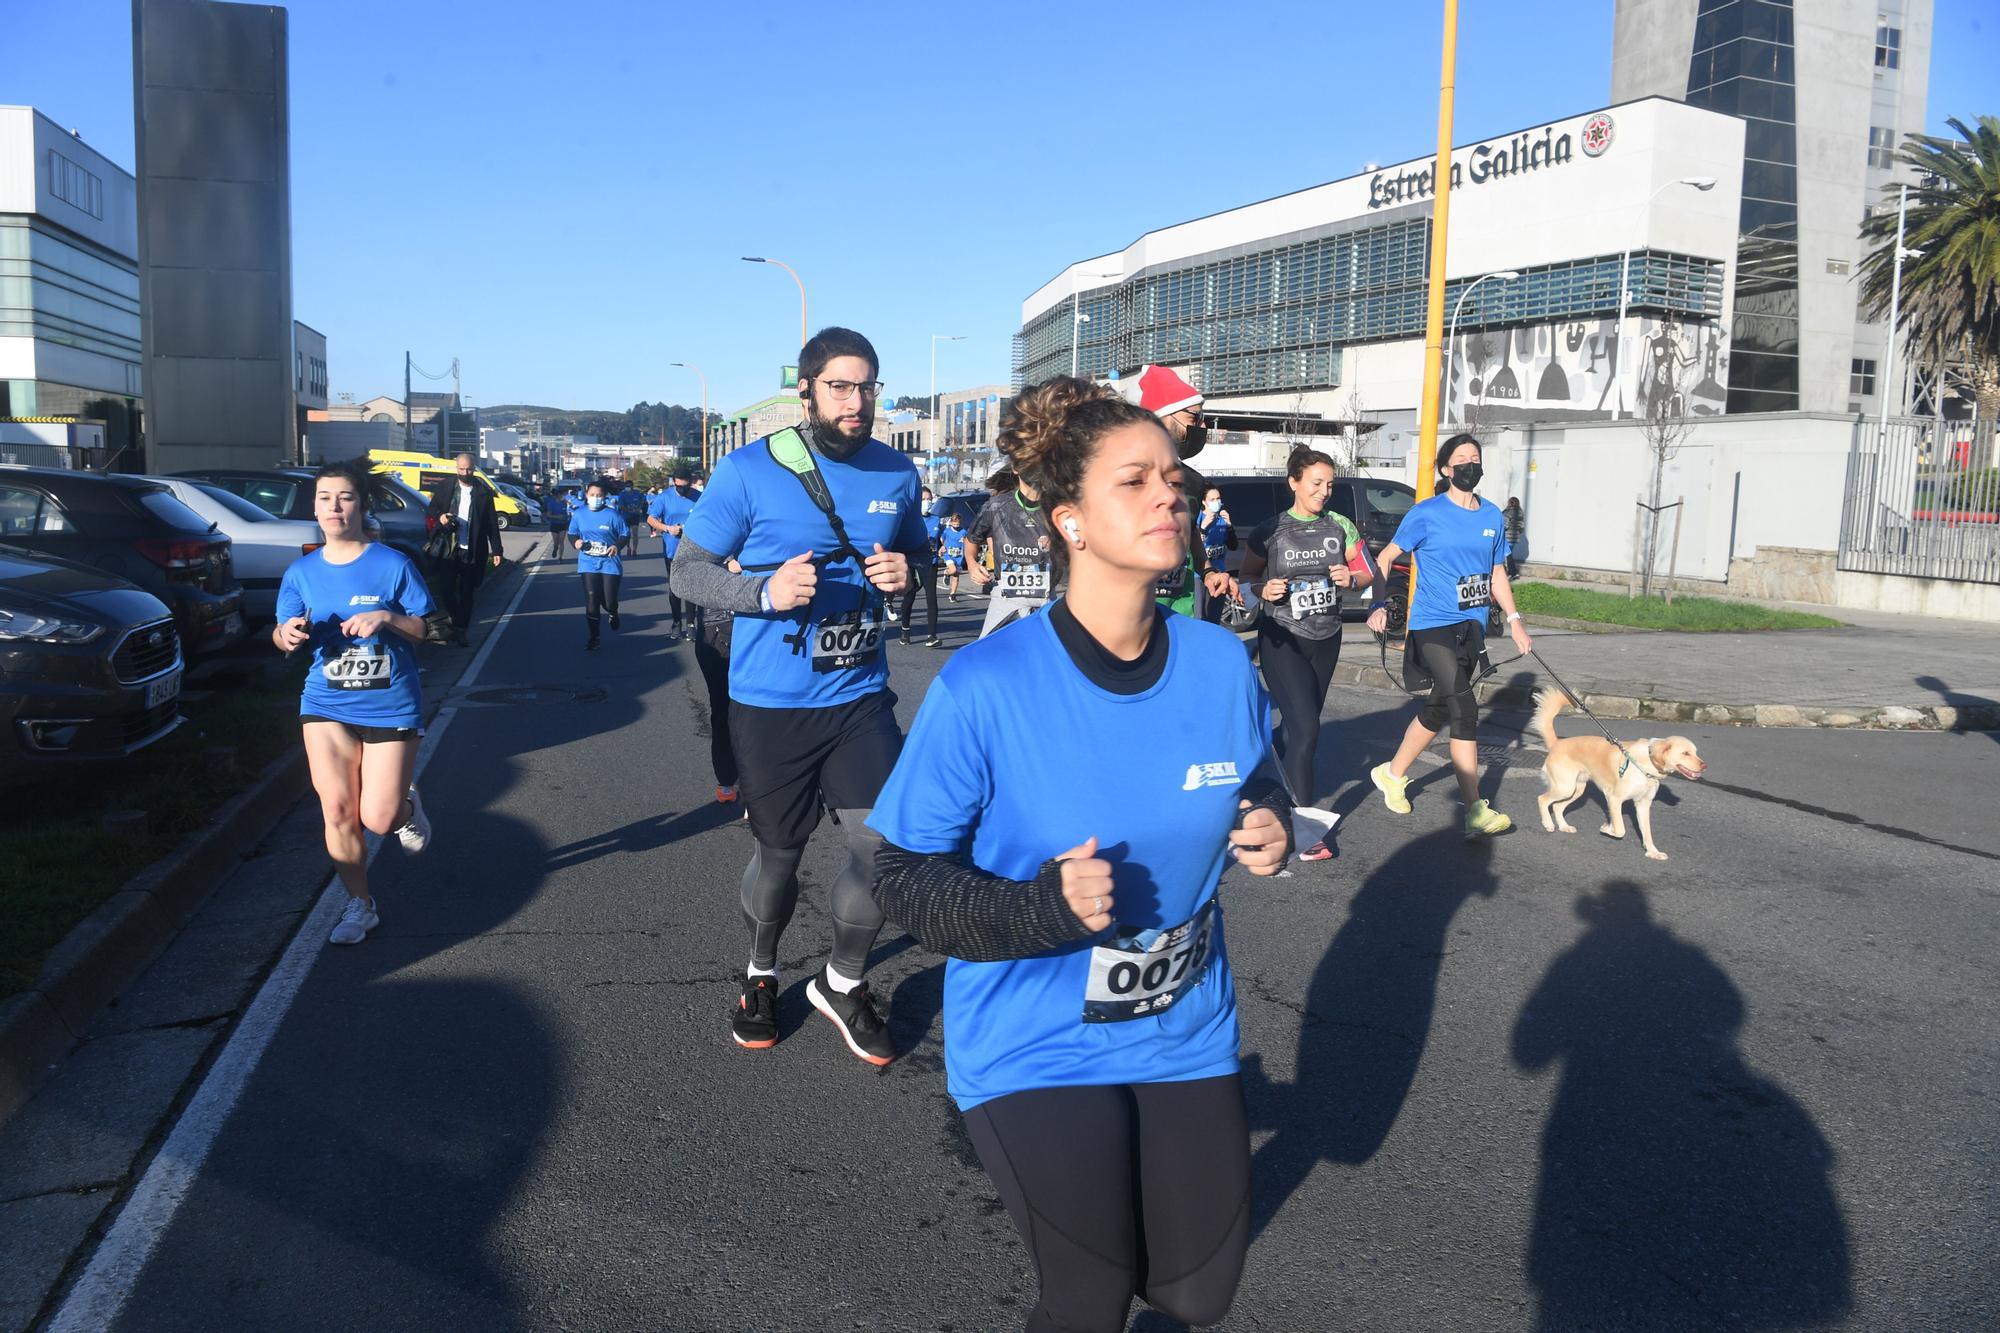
1570	369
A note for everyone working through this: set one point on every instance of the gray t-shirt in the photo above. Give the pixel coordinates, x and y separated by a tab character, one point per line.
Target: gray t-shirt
1298	551
1020	547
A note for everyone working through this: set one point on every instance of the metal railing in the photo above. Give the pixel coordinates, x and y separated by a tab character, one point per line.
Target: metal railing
1923	500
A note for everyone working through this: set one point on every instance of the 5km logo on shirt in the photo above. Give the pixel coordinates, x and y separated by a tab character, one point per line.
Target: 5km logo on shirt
1210	775
883	507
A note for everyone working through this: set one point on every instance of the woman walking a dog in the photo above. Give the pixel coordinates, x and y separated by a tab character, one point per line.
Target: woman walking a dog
1460	547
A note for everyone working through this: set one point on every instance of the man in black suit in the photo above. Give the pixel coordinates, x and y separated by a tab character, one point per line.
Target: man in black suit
467	542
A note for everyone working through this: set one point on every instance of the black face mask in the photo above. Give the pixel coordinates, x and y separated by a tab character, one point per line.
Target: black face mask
1191	443
1466	476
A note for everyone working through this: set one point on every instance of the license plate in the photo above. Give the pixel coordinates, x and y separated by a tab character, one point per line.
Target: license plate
165	688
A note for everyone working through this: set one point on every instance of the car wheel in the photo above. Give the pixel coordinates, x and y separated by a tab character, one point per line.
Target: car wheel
502	520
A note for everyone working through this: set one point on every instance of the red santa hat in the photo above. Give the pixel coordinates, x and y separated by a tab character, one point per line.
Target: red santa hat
1161	392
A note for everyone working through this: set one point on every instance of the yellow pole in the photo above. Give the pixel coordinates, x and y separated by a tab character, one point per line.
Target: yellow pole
1427	430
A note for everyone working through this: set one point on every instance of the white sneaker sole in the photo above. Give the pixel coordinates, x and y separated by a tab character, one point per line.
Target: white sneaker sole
821	1003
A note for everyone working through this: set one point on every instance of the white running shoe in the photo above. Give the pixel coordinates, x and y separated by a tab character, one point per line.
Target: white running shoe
415	835
355	922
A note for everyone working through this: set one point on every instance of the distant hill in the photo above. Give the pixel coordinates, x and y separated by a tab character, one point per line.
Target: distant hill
641	424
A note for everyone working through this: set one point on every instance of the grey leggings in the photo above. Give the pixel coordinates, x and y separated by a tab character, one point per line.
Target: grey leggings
771	895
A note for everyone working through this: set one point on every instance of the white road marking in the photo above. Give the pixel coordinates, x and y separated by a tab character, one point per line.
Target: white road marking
100	1292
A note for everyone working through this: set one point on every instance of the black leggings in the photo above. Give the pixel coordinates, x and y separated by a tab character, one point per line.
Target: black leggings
673	602
1140	1188
599	591
922	574
1297	671
1449	655
711	654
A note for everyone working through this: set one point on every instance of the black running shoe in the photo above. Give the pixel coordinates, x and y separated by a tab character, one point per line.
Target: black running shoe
614	620
854	1014
590	644
934	642
755	1022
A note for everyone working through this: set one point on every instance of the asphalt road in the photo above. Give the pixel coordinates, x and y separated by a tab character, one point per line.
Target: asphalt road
1539	1083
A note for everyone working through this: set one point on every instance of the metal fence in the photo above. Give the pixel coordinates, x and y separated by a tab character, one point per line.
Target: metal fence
1922	499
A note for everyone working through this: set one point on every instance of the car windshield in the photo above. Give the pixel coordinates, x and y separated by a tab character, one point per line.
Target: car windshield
1389	503
234	503
271	495
162	505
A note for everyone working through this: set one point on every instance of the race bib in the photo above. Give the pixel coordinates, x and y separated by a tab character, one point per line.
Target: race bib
1474	591
1024	581
1148	972
1172	583
845	641
362	666
1313	597
598	548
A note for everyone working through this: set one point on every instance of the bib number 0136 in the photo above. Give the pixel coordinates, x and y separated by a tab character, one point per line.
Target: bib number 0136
1146	974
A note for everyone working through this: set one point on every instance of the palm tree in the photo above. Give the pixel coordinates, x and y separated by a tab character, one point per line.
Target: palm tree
1950	307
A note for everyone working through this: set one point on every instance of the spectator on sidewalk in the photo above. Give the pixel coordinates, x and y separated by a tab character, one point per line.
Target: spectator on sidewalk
1515	521
462	506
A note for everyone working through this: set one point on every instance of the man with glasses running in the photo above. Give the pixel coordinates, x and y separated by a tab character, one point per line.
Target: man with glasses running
824	521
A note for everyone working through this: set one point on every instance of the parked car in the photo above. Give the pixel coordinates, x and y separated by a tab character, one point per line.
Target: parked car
133	529
1376	506
90	666
966	504
424	473
287	492
264	547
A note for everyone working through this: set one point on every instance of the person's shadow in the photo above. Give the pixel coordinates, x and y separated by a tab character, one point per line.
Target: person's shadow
1679	1188
1981	709
1367	1019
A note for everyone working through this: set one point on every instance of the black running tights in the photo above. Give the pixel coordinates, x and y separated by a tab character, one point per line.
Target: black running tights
1297	672
600	591
711	654
1133	1189
674	603
922	574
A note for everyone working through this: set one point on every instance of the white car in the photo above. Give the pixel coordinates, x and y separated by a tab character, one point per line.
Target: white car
264	546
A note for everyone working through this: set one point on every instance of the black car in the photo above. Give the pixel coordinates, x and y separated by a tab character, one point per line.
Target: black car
90	666
1375	505
287	492
966	504
134	529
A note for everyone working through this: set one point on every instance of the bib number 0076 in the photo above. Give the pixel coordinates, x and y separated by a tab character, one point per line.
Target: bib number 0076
1147	974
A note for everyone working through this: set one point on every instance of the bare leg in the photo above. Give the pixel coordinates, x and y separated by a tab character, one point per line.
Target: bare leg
1415	741
386	771
334	757
1465	762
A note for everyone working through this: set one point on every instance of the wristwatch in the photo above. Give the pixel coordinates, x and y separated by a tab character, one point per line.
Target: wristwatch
1513	616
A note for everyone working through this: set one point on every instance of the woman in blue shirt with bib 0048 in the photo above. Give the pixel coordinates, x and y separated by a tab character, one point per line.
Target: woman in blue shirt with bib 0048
599	534
361	607
1460	545
1089	1008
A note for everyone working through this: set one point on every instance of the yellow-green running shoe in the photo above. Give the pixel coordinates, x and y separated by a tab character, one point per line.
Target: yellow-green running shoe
1391	787
1482	820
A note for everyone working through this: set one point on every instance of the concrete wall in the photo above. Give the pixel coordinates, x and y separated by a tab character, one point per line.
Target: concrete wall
210	100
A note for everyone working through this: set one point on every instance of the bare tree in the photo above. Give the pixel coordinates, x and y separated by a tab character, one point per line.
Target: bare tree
1354	424
1665	424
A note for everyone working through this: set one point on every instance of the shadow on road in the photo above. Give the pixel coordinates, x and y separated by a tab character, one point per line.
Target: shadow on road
1958	699
1679	1188
1366	1020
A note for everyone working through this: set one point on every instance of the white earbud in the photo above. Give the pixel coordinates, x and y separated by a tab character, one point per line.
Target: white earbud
1069	526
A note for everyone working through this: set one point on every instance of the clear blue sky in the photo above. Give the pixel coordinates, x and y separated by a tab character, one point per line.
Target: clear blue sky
557	194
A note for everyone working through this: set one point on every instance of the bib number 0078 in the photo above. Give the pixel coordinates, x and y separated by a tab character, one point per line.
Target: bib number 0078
1148	974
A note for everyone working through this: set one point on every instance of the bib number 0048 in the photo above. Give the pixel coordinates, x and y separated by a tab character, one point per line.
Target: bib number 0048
1147	974
1474	591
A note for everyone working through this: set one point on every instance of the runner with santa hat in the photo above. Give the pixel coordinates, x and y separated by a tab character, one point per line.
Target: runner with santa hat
1178	406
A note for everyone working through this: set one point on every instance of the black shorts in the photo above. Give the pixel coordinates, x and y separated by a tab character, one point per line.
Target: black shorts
794	760
368	735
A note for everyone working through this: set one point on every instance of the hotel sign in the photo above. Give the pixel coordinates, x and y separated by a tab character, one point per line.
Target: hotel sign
1529	151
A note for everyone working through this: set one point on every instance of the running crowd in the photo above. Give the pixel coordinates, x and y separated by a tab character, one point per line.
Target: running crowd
1091	1027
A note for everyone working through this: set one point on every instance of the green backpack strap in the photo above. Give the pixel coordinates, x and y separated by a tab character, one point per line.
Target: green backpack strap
790	451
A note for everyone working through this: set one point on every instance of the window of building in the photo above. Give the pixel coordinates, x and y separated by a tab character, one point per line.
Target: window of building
1881	146
1861	377
1888	44
75	186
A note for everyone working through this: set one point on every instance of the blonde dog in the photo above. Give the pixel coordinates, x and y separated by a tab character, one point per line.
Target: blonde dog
1631	772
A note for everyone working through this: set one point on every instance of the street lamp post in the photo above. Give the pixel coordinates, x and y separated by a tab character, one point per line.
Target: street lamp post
1076	332
689	365
1702	183
1451	340
759	259
1895	309
930	411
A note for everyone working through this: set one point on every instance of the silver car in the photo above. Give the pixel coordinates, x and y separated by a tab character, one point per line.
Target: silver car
265	547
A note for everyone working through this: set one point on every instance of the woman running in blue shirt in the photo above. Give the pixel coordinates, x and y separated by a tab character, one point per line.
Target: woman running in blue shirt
951	549
1090	1013
361	606
1460	545
599	533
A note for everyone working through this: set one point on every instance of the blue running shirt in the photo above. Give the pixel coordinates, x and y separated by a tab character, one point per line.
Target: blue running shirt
757	511
671	508
980	771
1455	551
604	527
368	682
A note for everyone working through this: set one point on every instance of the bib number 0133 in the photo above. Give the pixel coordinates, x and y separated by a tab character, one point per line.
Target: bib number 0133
1146	974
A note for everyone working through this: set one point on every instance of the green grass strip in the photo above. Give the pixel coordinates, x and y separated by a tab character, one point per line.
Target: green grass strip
1696	614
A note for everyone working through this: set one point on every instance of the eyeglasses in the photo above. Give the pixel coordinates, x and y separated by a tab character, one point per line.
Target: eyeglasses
841	389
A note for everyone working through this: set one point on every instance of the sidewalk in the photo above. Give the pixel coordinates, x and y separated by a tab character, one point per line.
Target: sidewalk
1880	670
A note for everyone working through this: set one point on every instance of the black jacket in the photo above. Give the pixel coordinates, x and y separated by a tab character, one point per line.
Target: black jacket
485	534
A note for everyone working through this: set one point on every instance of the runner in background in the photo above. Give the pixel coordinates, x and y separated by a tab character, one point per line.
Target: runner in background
1090	1017
361	606
1009	528
1216	533
951	549
599	535
924	573
666	513
1178	405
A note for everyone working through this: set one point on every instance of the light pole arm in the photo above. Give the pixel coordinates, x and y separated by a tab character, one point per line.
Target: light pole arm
802	296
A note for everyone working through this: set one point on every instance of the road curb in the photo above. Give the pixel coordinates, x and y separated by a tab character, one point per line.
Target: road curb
1888	717
111	947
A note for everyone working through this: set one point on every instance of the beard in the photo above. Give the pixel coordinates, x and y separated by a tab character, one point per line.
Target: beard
829	434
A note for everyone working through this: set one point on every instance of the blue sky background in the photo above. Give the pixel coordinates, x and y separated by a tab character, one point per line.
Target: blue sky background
557	194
